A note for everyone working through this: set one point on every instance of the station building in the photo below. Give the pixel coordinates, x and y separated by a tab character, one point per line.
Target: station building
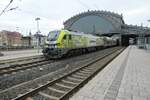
10	39
108	24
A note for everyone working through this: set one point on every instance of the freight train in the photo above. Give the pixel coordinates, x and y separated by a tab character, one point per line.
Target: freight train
60	43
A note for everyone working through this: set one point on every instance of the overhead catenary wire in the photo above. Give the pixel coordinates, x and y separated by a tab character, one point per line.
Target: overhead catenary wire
95	5
6	7
87	6
33	14
24	12
83	4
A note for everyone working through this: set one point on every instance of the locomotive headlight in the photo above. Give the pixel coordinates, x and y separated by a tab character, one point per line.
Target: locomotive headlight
55	46
46	46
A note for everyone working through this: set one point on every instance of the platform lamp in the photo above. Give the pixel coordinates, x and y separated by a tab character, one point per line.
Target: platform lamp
148	31
38	31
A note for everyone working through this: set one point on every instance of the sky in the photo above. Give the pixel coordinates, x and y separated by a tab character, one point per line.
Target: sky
53	13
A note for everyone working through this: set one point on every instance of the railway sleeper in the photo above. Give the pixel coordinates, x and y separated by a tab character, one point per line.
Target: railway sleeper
3	71
68	84
73	78
64	86
85	72
30	62
92	70
39	96
18	60
23	67
56	90
82	74
70	80
30	98
88	70
48	97
59	87
52	92
78	76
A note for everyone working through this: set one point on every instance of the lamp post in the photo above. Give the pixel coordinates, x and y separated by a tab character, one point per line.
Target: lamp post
148	39
38	31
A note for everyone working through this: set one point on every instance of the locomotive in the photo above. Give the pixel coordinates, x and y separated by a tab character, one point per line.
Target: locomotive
63	42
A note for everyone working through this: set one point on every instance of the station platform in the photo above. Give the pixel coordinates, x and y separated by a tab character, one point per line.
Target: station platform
19	54
127	77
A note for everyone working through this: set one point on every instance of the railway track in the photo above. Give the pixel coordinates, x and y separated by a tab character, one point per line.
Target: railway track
11	61
23	64
62	88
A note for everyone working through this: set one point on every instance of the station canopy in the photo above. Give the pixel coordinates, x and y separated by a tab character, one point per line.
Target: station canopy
95	22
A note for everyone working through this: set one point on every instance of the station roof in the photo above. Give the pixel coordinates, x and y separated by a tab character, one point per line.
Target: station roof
95	22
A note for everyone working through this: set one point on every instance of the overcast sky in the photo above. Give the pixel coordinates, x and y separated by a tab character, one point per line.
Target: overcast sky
54	12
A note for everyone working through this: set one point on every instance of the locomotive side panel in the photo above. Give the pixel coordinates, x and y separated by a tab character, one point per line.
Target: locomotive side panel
60	43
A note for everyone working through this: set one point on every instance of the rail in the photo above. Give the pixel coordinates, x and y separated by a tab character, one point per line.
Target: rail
66	85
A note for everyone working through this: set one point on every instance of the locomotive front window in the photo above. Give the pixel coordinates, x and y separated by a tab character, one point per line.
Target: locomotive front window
70	37
65	37
52	36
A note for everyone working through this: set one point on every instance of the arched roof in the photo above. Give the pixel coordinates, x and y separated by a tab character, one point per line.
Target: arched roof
104	21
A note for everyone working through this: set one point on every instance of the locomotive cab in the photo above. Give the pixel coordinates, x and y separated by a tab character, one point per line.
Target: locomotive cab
52	39
53	46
